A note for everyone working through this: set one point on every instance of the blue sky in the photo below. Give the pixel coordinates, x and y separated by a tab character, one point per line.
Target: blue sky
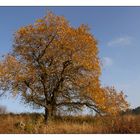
117	30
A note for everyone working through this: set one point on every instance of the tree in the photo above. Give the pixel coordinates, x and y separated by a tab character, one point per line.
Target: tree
114	102
3	110
54	65
136	110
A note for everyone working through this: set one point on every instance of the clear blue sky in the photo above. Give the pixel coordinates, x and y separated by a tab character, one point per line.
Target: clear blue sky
117	30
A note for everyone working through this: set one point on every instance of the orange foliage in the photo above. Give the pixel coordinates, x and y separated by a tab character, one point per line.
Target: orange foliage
54	64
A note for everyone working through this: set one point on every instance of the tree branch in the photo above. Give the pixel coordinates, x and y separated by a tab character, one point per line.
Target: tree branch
31	97
91	106
43	52
65	65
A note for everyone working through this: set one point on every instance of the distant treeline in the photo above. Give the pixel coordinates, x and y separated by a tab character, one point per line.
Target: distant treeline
135	111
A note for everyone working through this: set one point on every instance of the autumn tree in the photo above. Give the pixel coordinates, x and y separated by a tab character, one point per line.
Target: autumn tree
114	102
54	65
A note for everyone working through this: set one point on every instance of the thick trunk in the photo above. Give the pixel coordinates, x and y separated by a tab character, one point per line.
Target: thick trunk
46	115
49	113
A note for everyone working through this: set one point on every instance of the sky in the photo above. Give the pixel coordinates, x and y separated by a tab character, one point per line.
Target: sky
117	30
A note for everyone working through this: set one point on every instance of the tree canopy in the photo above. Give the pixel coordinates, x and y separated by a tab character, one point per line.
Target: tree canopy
56	66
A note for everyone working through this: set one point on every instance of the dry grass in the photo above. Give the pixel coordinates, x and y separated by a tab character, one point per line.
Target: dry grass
33	123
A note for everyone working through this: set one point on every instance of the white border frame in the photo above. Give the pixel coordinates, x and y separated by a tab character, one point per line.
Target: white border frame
69	3
69	137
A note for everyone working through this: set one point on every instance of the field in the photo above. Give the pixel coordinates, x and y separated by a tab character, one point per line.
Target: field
33	124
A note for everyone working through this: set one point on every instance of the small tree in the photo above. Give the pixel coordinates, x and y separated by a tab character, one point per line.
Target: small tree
54	65
3	109
114	102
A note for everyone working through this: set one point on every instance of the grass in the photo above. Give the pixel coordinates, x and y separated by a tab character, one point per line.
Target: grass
33	124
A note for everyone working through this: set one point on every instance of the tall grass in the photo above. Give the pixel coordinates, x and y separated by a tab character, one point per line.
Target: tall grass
33	123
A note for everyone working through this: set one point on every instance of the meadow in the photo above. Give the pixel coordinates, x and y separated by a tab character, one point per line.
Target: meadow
33	124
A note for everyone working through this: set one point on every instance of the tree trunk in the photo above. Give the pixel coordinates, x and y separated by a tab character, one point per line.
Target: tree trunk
49	113
46	115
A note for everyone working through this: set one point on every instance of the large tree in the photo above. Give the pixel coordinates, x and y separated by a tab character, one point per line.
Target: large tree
54	65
